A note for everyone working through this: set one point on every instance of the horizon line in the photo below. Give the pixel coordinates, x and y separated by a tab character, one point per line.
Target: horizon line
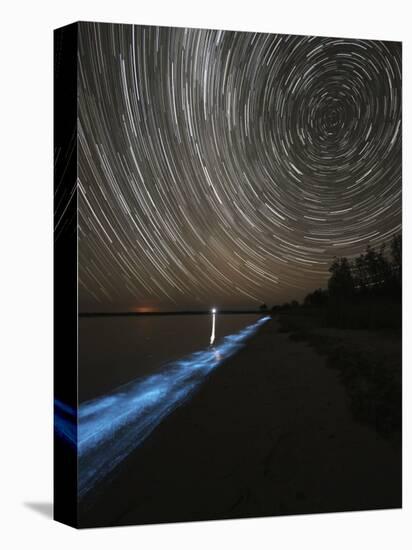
168	312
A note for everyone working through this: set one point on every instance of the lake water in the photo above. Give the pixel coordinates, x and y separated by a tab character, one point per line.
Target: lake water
134	371
117	350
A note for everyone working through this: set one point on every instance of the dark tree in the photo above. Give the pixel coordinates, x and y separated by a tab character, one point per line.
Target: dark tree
318	297
360	274
374	274
341	284
396	253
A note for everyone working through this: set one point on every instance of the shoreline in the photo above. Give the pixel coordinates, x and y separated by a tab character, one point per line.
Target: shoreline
270	432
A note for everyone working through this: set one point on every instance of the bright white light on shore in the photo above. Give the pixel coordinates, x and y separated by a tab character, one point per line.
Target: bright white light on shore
214	310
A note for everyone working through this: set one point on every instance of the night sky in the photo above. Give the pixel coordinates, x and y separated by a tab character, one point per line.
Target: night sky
229	168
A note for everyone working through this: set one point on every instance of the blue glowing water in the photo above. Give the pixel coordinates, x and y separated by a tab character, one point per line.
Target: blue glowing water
111	426
116	350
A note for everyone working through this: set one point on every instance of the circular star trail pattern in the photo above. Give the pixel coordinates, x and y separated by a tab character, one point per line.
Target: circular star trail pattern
229	168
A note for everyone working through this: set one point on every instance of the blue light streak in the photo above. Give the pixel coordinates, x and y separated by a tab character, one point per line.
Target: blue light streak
110	427
65	422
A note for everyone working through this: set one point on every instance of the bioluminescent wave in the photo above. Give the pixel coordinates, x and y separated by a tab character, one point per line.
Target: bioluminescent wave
65	422
111	426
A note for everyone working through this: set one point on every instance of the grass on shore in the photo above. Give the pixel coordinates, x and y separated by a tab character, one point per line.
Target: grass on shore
369	362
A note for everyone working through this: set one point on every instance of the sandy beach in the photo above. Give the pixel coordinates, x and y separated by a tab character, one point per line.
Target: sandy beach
270	432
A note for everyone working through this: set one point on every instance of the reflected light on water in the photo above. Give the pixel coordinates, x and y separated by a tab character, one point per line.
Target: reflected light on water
212	336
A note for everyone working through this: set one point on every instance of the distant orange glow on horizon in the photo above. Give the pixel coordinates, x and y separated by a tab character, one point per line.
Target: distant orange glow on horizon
145	309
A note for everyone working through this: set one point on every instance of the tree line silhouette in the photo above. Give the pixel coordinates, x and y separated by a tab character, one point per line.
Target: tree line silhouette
370	276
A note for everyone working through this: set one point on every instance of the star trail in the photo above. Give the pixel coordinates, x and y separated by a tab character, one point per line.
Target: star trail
229	168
